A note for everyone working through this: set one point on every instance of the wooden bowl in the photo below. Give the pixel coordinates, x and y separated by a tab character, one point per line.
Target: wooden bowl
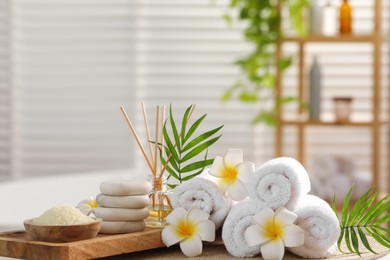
68	233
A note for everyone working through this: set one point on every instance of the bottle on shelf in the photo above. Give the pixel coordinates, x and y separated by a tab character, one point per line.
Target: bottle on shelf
314	90
315	18
329	23
345	18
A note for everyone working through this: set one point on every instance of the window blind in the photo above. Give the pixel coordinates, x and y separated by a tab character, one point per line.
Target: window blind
5	93
73	66
185	53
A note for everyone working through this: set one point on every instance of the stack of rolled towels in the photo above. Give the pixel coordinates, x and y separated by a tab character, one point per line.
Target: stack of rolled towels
283	182
123	206
280	182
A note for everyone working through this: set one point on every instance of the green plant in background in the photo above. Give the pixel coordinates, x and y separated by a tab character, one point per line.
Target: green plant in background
181	148
367	217
262	19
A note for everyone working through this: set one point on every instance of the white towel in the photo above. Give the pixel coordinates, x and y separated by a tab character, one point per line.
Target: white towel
203	194
363	181
280	182
237	221
326	167
337	185
321	227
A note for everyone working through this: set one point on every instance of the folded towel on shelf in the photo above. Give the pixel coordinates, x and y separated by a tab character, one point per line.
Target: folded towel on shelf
337	185
237	221
321	227
363	181
280	182
203	194
326	167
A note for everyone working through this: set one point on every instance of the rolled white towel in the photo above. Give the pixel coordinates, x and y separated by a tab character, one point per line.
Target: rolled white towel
203	194
237	221
321	227
280	182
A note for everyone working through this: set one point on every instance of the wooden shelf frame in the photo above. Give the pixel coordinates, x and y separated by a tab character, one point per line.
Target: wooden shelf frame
376	38
370	38
329	123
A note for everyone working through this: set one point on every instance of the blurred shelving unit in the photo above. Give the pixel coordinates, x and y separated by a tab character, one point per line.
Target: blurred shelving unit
376	38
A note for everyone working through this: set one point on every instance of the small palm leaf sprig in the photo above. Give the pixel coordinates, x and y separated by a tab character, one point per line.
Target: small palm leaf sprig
369	216
181	148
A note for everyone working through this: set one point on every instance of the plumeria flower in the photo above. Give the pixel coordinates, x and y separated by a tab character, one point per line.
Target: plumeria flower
88	206
273	231
233	173
190	229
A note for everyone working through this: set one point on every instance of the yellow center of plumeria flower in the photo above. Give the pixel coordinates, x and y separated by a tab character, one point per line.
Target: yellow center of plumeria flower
186	229
92	203
273	229
229	174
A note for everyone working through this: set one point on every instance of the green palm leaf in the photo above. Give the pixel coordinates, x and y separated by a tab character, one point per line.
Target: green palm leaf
193	175
348	240
174	128
200	148
193	128
197	165
355	241
364	240
368	216
170	146
181	152
200	138
185	121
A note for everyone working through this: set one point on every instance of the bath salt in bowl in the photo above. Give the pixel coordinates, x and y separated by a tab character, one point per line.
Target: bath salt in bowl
62	223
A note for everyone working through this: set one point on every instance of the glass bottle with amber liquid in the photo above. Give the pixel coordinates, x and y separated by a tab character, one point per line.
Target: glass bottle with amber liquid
345	18
160	205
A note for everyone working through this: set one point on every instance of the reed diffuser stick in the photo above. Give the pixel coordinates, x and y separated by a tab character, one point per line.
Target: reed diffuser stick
192	111
162	133
156	141
147	130
136	138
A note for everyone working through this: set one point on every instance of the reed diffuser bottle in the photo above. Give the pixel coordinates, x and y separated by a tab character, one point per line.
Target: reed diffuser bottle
160	206
345	18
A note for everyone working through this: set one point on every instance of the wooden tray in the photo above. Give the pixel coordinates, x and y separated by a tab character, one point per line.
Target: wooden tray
18	245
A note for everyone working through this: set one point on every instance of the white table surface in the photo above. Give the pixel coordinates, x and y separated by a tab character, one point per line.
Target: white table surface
29	198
